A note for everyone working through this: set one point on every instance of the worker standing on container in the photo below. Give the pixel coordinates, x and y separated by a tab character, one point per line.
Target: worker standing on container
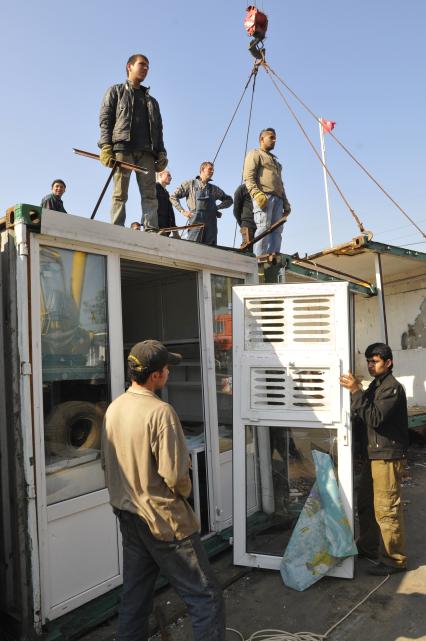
381	411
243	212
146	465
54	199
132	131
201	197
166	215
263	178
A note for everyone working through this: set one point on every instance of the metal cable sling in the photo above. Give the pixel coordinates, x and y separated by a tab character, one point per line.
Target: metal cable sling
350	154
255	70
253	73
352	211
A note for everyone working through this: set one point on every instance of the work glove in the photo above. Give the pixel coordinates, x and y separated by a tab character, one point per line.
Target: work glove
161	162
106	156
261	199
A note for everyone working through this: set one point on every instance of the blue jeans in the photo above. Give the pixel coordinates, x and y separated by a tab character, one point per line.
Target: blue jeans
264	218
184	564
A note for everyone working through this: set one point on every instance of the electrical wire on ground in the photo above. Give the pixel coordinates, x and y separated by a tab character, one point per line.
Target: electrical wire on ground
281	635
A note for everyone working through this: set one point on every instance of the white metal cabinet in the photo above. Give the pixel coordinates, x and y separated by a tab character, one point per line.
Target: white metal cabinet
291	342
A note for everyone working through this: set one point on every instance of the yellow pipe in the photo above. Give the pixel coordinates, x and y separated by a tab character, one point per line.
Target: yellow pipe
77	276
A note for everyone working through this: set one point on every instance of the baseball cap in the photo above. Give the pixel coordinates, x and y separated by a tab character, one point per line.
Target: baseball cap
151	356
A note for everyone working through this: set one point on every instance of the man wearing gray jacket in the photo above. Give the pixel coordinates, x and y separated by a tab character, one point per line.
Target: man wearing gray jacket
132	131
201	197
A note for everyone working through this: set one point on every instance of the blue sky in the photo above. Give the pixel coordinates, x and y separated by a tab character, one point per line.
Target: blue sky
360	64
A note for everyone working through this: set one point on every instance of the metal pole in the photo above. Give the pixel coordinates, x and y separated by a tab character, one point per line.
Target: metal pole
327	200
381	298
115	166
267	231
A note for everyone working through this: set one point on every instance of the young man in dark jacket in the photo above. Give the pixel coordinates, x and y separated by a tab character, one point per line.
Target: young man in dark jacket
132	131
54	199
381	411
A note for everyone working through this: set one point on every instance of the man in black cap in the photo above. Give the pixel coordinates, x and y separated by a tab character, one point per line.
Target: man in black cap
146	465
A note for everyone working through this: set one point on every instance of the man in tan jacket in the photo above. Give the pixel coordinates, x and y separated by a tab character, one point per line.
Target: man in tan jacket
146	465
263	179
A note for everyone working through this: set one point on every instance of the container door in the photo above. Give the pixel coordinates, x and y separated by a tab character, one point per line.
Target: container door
72	362
291	342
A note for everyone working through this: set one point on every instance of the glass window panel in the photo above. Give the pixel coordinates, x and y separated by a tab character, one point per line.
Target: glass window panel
74	343
279	476
222	336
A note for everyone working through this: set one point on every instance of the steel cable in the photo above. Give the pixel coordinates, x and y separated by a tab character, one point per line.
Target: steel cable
350	154
351	210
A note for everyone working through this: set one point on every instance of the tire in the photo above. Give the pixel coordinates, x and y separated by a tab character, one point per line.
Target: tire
74	426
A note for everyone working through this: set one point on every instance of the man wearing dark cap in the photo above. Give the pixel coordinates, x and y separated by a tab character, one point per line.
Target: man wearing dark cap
381	413
146	465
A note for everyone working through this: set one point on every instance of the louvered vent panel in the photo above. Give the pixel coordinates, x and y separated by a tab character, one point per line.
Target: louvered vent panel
268	388
264	323
310	388
312	319
289	322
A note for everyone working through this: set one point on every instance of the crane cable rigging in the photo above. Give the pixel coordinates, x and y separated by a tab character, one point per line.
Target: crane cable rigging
348	152
256	24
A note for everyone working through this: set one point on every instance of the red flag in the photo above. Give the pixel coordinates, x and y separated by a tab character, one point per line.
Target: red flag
328	125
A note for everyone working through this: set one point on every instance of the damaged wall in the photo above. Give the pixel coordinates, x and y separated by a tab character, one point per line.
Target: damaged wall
405	301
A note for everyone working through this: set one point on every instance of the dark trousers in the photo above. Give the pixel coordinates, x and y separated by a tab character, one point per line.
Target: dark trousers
381	525
208	236
184	564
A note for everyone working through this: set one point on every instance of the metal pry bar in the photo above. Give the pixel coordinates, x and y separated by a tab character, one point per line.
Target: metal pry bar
270	229
117	163
120	163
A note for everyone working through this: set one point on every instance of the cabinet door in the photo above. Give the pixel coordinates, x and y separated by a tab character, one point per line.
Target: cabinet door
291	342
80	546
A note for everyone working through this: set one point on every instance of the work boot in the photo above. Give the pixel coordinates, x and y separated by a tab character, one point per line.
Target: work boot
247	234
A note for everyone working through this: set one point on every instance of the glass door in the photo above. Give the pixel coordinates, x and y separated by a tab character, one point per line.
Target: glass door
80	553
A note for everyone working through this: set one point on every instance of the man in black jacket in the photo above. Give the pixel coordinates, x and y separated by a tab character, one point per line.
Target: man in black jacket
243	212
166	215
132	131
381	411
54	199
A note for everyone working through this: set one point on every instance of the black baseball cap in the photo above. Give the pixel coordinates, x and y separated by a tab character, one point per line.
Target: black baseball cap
151	356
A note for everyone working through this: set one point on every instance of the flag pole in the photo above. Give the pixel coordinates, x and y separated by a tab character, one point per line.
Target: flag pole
327	199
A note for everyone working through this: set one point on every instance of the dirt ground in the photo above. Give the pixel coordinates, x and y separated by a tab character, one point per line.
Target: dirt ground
258	599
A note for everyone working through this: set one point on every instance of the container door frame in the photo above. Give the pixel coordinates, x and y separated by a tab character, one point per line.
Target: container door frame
214	459
116	377
345	479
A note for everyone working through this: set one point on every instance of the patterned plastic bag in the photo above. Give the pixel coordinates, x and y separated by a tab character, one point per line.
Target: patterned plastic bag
322	536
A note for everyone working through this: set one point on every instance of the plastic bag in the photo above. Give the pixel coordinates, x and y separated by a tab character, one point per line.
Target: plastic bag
322	536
